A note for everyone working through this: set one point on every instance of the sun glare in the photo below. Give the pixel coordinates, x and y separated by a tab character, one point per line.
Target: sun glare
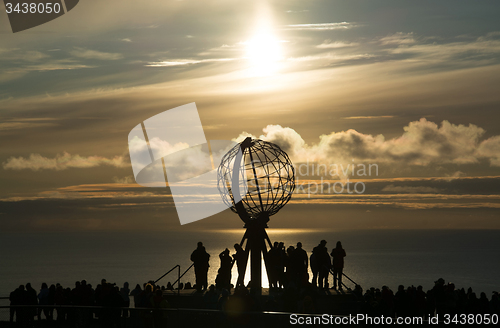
264	53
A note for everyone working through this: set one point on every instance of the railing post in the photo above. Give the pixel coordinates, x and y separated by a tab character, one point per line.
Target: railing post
179	280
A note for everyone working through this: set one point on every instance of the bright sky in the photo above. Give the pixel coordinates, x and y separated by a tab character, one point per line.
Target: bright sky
409	85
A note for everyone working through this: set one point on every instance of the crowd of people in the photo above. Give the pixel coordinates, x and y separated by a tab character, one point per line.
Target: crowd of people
285	266
288	274
443	298
107	302
291	290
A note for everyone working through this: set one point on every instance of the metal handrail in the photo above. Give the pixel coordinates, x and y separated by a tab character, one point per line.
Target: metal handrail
178	275
343	274
182	275
100	307
258	313
177	266
355	284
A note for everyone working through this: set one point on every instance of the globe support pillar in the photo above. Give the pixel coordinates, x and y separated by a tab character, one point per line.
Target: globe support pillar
255	260
256	237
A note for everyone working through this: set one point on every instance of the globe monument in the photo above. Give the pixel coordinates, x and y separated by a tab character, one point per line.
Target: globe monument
256	179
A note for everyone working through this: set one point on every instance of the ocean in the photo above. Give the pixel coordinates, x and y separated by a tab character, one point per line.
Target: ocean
374	257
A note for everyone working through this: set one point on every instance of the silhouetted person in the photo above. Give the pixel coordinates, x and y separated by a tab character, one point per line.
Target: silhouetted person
273	258
113	300
439	295
241	259
158	303
484	304
313	260
495	303
31	299
420	302
43	299
338	254
200	257
402	302
124	293
223	280
300	263
281	254
135	293
324	263
239	305
61	299
387	300
16	298
289	265
51	301
307	305
210	298
451	298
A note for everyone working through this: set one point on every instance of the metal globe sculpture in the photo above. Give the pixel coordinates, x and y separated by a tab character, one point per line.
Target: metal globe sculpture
266	174
256	179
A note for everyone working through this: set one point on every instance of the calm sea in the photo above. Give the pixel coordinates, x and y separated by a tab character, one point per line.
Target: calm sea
374	258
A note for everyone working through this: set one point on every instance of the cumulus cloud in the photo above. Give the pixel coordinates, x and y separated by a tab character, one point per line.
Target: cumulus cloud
490	148
422	143
65	161
157	145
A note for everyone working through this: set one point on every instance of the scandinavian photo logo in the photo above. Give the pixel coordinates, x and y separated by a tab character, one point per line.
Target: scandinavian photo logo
170	150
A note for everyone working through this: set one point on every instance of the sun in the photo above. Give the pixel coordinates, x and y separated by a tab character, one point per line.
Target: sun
264	53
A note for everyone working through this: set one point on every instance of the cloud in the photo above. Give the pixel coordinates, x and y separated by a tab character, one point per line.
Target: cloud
126	40
455	175
23	125
94	54
399	38
329	44
411	190
423	143
55	66
182	62
416	51
65	161
333	58
125	180
18	55
490	148
322	26
26	123
366	117
483	50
